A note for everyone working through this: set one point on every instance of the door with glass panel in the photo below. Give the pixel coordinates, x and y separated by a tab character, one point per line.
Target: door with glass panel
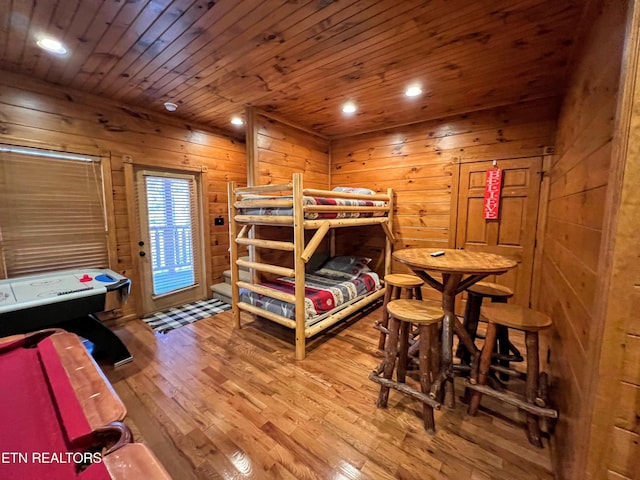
171	243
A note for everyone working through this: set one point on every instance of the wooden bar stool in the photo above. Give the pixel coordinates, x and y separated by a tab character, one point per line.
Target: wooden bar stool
402	314
394	284
475	295
530	322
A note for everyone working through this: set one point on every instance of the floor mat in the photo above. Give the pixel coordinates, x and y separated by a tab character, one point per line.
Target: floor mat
175	317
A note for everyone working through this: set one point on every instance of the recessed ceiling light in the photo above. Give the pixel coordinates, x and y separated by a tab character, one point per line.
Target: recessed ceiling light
52	45
237	121
171	107
349	107
413	91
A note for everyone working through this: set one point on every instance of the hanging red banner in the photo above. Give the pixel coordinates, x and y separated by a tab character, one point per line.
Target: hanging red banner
492	193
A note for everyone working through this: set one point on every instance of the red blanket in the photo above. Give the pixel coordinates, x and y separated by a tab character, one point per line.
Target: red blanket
324	290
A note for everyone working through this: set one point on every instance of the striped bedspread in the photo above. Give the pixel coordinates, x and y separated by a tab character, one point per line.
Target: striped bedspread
324	290
315	201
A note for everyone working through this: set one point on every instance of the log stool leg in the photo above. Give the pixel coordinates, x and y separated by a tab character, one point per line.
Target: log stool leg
384	322
418	293
390	352
397	293
503	343
427	333
401	373
484	367
470	323
531	391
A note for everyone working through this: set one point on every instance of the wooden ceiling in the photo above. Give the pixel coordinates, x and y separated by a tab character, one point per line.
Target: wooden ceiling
298	59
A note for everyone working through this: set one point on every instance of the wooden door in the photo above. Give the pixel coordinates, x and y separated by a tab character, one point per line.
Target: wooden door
513	234
170	253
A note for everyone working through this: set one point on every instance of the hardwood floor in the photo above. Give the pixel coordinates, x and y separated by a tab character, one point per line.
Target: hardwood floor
213	402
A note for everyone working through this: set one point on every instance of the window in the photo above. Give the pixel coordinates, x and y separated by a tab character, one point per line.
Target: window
52	214
171	218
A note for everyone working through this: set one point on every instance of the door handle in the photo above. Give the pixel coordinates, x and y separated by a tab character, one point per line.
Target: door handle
142	254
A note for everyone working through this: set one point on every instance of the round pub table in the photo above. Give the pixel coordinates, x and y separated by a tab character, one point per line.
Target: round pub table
460	269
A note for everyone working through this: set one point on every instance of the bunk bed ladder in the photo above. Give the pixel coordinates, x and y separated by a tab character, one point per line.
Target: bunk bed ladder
297	247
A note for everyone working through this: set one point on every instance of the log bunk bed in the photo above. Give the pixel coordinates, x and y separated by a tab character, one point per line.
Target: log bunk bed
301	209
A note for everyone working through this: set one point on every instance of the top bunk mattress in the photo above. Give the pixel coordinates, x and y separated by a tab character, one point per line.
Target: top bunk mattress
314	201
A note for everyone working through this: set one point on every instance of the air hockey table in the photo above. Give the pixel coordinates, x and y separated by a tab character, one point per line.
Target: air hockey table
69	300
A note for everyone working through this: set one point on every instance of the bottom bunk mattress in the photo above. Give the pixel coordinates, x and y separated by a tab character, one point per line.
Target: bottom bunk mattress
325	290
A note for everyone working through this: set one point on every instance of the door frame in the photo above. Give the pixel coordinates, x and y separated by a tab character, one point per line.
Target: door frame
541	225
133	222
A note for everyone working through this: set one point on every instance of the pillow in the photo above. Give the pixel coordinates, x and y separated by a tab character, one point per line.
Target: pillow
360	191
316	261
352	265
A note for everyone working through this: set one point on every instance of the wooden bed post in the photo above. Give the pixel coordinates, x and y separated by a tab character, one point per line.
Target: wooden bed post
299	265
233	250
388	241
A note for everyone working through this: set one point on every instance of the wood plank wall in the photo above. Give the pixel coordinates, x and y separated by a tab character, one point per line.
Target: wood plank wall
281	150
615	428
36	113
574	230
419	162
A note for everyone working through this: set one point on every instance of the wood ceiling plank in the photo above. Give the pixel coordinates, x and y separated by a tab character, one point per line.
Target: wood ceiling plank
463	96
494	84
194	63
385	24
300	60
342	88
18	19
243	76
137	23
301	80
233	56
411	65
5	26
177	17
58	25
414	63
84	43
132	15
300	56
40	17
197	45
176	38
289	32
82	18
297	108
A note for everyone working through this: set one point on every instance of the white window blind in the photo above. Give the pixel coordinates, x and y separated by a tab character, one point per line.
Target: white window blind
172	222
52	214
